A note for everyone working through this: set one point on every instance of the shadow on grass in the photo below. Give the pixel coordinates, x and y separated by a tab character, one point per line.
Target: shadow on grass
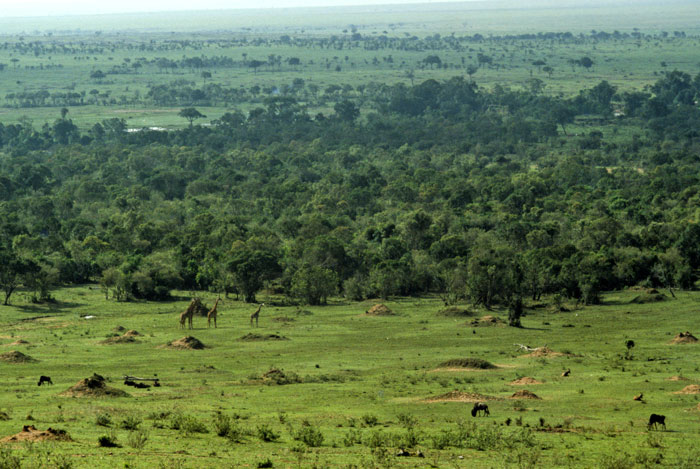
55	307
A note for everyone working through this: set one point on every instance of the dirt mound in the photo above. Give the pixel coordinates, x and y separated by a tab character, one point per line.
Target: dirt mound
525	380
189	343
544	352
690	389
459	396
19	342
525	394
30	433
122	339
16	357
677	378
94	386
454	311
279	377
475	363
650	296
256	337
684	338
379	310
131	333
487	320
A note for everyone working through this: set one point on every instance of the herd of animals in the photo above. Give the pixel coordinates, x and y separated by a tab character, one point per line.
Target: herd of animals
480	408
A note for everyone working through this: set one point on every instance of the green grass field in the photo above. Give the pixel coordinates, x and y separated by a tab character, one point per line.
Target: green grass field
362	382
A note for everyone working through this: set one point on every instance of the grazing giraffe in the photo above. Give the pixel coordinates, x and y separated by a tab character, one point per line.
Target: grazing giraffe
256	315
212	313
189	312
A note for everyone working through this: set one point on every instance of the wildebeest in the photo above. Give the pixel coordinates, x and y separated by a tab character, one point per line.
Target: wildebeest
44	379
480	407
655	419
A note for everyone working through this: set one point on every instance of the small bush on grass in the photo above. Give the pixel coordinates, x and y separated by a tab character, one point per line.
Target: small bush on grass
309	435
137	439
187	424
108	441
130	423
103	420
265	433
370	420
352	437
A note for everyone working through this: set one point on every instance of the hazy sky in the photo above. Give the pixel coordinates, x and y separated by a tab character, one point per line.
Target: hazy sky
15	8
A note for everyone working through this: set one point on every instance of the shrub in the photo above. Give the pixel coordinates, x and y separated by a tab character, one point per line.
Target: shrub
187	424
370	420
108	441
265	433
103	420
222	424
9	460
130	423
137	439
352	437
309	435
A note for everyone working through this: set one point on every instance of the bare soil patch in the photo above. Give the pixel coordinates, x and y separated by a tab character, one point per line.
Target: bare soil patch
379	310
459	396
690	389
487	320
525	394
545	352
684	338
18	342
30	433
94	386
16	357
258	337
525	380
677	378
187	343
279	377
122	339
131	333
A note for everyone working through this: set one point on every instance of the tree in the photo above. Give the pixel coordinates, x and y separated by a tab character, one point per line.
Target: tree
11	270
586	62
346	111
98	75
191	114
314	284
251	266
433	60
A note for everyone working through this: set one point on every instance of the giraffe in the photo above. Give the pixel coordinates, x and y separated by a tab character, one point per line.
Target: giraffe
212	313
187	314
256	315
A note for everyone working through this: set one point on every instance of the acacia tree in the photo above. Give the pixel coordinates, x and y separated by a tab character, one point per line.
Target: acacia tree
191	114
314	284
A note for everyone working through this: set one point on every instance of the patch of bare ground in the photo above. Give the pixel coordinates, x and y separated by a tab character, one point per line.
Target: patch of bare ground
279	377
122	339
677	378
131	333
16	357
459	396
544	352
258	337
186	343
690	389
379	310
18	342
30	433
525	394
487	320
94	386
684	338
524	381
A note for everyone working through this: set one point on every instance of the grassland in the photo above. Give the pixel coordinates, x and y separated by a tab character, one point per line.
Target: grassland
362	382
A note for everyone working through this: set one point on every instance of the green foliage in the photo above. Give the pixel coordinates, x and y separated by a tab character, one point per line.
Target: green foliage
309	435
265	433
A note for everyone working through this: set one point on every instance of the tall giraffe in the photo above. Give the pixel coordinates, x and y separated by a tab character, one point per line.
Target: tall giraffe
189	312
212	313
256	315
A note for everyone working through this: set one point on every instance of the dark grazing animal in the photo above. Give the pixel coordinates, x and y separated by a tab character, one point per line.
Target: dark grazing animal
44	380
480	407
656	419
